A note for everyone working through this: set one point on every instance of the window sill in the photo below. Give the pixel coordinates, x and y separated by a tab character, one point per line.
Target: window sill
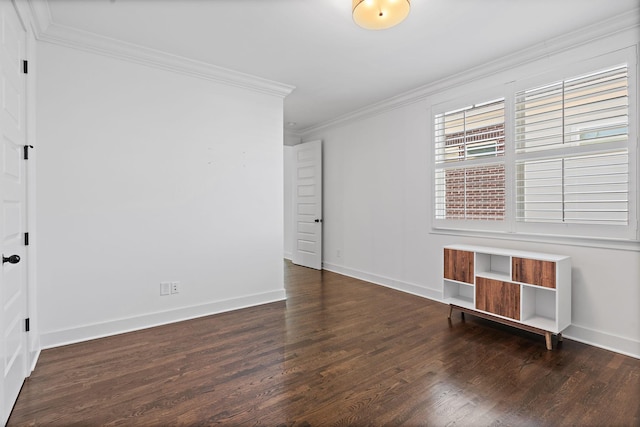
590	242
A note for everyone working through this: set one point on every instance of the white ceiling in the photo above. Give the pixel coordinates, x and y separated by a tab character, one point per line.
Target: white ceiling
335	66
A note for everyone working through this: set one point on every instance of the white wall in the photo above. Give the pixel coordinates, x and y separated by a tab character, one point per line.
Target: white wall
288	201
377	210
144	176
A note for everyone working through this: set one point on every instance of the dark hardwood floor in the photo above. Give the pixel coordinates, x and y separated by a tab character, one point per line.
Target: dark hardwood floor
339	352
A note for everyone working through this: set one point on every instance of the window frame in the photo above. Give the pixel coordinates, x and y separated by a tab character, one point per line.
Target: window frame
553	231
477	98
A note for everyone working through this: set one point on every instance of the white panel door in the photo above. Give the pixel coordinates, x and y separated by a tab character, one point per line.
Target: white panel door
13	302
307	205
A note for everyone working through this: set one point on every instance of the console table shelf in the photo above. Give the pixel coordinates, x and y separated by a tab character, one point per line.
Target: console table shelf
528	290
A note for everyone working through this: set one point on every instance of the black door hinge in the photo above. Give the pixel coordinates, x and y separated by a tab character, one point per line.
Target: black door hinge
26	151
26	324
25	67
26	239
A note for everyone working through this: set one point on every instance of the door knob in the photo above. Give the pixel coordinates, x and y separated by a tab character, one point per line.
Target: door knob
13	259
318	220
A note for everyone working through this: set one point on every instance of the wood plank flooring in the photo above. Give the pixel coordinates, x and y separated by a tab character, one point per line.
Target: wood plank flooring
339	352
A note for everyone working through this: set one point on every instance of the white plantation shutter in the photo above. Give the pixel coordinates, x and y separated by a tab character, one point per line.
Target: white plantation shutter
556	156
469	158
571	151
590	189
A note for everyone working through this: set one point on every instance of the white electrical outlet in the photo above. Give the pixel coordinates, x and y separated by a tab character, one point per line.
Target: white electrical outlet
165	288
339	253
175	287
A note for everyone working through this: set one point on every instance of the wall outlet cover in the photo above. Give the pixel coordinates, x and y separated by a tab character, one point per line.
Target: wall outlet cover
165	288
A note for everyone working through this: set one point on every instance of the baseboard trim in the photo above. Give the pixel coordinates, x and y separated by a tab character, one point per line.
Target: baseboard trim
387	282
120	326
34	360
618	344
606	341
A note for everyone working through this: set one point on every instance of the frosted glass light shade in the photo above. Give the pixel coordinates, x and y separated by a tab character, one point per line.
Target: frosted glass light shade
379	14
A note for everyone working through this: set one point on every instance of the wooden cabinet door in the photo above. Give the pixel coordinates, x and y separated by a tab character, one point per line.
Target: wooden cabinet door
458	265
502	298
534	272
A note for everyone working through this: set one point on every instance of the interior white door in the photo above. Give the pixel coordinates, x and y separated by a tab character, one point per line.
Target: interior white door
13	284
307	205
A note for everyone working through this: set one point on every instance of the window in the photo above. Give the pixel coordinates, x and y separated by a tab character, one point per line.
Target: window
566	164
470	173
572	160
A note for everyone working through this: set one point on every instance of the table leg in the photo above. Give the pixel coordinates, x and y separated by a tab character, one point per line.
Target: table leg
547	338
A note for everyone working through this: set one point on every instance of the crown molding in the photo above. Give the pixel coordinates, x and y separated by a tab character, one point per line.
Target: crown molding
622	23
41	16
292	137
48	31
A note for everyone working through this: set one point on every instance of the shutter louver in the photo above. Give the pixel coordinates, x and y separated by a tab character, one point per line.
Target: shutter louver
570	166
469	156
585	110
591	189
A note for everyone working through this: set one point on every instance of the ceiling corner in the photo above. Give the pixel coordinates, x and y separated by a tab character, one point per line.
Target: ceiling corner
41	16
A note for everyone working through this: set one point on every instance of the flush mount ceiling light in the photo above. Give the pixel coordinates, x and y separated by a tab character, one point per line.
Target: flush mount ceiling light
379	14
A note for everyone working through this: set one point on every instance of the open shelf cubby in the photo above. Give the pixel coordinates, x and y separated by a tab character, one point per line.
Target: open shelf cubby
458	293
492	266
539	306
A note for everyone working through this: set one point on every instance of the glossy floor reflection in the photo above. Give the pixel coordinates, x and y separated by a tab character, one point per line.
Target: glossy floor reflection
339	352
